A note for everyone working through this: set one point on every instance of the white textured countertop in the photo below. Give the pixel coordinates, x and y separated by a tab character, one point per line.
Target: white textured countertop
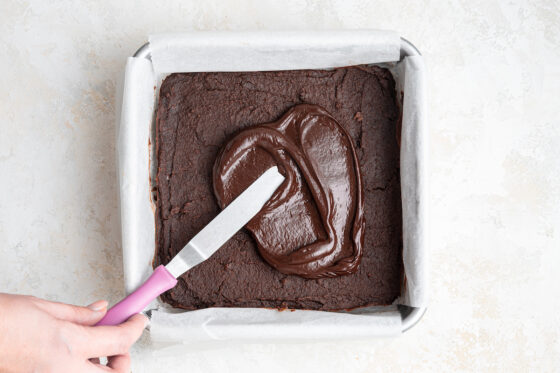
494	115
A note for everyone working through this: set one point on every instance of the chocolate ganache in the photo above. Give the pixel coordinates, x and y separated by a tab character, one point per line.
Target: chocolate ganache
313	226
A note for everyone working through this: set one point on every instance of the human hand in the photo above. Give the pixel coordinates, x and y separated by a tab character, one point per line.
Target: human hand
37	335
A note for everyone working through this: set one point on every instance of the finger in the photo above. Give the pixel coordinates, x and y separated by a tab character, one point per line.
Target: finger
94	368
114	340
120	363
89	315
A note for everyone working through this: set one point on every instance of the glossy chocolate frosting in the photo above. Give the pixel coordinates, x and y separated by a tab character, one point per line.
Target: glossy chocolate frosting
313	226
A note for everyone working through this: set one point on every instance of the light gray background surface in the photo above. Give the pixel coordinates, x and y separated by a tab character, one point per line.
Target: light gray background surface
494	116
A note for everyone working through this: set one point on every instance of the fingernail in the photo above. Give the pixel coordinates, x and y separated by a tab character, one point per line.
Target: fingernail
100	305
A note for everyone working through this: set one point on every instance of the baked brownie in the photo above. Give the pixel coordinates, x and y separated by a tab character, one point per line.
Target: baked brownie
199	112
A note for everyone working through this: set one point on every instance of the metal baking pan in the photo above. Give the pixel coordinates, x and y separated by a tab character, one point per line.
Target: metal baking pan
410	316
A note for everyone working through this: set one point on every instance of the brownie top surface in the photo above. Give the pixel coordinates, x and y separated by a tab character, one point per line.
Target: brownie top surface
197	114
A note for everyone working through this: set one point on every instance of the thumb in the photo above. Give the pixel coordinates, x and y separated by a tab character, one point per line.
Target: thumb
89	315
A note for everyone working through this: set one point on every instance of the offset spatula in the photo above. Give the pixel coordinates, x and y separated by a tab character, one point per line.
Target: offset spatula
201	247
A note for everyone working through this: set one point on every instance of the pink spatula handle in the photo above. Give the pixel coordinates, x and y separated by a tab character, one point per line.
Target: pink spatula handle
159	282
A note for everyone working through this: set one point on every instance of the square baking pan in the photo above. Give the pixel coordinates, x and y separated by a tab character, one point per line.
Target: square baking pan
135	215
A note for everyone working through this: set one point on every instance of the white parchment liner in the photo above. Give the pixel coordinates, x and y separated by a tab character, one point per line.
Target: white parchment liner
260	51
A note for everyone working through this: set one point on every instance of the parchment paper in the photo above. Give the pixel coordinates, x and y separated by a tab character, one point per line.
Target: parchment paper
271	50
250	51
414	186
